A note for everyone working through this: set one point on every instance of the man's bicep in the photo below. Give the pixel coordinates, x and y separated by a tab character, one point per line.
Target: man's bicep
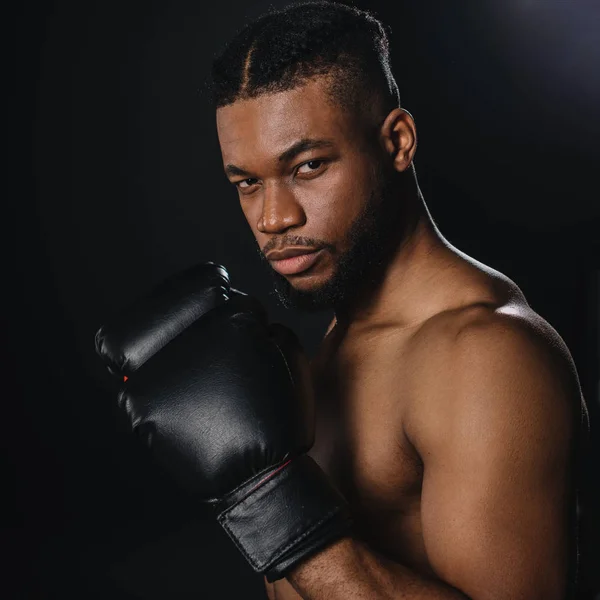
495	487
490	527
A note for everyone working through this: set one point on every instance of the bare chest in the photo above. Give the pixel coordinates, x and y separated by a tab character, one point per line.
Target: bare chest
359	443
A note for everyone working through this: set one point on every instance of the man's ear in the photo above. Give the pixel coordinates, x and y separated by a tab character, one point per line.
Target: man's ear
398	136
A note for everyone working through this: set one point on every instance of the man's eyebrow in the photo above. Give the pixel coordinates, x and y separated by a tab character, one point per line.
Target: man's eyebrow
233	170
287	155
302	146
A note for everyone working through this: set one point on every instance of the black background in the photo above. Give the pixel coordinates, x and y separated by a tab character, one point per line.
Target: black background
115	181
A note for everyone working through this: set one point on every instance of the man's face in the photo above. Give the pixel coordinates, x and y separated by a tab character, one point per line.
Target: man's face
307	184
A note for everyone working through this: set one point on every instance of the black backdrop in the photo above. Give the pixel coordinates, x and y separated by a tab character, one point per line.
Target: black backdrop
115	181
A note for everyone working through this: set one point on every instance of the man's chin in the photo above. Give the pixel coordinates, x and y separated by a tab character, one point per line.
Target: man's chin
309	293
308	284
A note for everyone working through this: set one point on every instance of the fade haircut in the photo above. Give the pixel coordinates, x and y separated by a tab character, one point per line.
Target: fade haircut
285	48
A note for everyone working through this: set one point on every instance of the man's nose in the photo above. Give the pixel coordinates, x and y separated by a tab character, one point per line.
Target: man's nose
280	210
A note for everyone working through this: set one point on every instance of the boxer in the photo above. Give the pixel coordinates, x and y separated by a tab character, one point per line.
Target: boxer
428	450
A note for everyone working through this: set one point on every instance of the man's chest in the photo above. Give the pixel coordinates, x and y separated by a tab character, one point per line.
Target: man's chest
360	444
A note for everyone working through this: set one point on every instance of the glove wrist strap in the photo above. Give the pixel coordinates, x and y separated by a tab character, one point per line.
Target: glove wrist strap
293	514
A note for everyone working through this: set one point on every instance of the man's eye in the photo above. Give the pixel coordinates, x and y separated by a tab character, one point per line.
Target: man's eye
313	165
246	183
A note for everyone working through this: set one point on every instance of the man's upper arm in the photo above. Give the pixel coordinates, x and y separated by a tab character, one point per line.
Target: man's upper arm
495	438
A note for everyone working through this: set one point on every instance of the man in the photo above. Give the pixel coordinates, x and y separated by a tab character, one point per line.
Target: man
447	409
448	412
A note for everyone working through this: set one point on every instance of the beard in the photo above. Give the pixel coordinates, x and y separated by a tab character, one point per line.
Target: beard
360	267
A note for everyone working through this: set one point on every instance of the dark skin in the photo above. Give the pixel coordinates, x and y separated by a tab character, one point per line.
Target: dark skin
447	408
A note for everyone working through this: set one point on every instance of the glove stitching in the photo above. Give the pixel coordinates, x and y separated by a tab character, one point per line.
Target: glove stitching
224	499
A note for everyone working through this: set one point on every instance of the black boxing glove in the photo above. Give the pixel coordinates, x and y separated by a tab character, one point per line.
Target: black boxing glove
225	402
141	330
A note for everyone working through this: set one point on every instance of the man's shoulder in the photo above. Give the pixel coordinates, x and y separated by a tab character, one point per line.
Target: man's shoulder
489	331
497	360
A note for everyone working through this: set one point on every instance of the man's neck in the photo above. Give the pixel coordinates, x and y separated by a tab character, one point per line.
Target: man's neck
414	283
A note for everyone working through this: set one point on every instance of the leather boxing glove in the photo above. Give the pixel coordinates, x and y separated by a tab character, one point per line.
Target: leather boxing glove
141	330
225	402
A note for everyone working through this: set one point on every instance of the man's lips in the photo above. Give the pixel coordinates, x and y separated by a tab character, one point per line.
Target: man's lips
293	260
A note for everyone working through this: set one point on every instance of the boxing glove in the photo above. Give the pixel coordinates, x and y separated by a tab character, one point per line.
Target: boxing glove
224	400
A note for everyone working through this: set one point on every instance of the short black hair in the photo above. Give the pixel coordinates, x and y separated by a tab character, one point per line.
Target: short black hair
284	48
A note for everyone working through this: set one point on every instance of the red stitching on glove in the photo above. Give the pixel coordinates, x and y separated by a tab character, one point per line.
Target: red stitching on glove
269	476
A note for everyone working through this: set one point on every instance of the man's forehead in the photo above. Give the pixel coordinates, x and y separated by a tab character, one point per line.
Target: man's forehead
278	119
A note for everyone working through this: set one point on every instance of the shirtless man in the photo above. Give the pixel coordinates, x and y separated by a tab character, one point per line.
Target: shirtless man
447	411
447	408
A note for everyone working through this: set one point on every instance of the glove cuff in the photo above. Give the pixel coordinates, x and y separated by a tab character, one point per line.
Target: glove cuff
292	515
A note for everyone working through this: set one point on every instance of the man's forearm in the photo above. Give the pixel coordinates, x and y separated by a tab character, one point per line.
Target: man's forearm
350	570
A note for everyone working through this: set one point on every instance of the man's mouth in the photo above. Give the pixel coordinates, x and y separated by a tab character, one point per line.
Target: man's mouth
293	261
